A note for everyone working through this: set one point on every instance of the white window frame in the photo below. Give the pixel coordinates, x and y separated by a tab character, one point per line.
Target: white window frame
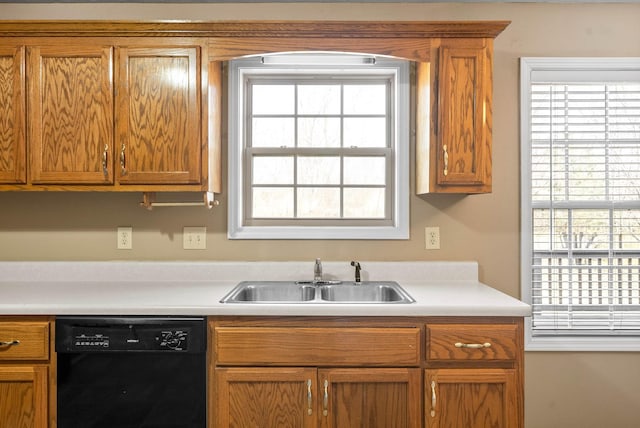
399	225
558	67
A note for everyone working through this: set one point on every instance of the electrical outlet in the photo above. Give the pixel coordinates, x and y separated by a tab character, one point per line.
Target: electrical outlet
432	238
194	238
125	238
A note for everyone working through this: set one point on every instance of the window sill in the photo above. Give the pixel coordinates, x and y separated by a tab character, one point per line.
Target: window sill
580	344
257	232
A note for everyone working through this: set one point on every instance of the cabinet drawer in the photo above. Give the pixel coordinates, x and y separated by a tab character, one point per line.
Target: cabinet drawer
308	346
470	342
24	340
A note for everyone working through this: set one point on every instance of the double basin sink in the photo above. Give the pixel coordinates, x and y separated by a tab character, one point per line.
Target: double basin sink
318	292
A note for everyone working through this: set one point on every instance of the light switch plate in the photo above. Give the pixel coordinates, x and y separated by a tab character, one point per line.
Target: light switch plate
194	238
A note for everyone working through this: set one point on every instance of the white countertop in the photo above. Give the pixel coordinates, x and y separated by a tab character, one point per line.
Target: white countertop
195	288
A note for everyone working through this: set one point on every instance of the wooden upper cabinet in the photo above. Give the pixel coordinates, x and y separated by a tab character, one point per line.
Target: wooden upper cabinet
158	115
12	115
455	155
463	143
70	113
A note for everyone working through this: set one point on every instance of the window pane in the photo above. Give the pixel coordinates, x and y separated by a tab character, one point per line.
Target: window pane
273	132
273	99
319	99
541	230
364	170
626	229
624	169
364	203
318	202
272	170
319	132
589	230
272	202
365	99
318	170
365	132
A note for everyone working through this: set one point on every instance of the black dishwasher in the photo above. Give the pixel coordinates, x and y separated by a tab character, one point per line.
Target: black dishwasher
131	372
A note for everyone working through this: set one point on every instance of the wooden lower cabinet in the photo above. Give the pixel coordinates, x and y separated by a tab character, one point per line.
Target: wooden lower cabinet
366	372
471	398
372	398
309	397
24	395
269	397
25	372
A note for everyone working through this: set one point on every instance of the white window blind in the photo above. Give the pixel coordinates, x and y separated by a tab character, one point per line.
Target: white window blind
581	196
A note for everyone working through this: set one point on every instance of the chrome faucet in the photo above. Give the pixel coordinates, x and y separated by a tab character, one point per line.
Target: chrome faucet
357	266
317	271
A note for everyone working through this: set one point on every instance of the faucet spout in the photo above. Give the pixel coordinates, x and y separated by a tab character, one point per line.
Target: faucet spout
317	271
357	266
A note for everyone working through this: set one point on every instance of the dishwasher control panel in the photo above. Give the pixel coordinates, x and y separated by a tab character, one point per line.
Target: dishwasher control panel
129	334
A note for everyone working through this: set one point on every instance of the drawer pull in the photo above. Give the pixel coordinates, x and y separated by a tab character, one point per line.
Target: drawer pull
446	160
123	160
433	399
309	400
105	157
473	345
325	399
10	343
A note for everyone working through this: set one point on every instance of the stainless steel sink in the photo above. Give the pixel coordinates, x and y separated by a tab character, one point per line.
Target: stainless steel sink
270	292
365	292
323	292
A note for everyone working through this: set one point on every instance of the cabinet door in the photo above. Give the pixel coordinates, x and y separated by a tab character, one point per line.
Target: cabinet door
471	398
158	115
12	116
371	398
463	144
70	113
266	397
24	396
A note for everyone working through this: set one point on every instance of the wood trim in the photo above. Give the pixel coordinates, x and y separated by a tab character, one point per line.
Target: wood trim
214	128
318	29
226	48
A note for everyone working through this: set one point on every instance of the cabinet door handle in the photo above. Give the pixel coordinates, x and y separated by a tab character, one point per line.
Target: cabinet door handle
446	160
309	401
9	343
433	399
325	399
123	163
473	345
105	153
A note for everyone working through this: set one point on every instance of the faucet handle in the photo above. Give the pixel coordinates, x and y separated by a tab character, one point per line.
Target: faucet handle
358	268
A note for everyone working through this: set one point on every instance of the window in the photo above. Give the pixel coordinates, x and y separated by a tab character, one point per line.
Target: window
580	123
318	147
